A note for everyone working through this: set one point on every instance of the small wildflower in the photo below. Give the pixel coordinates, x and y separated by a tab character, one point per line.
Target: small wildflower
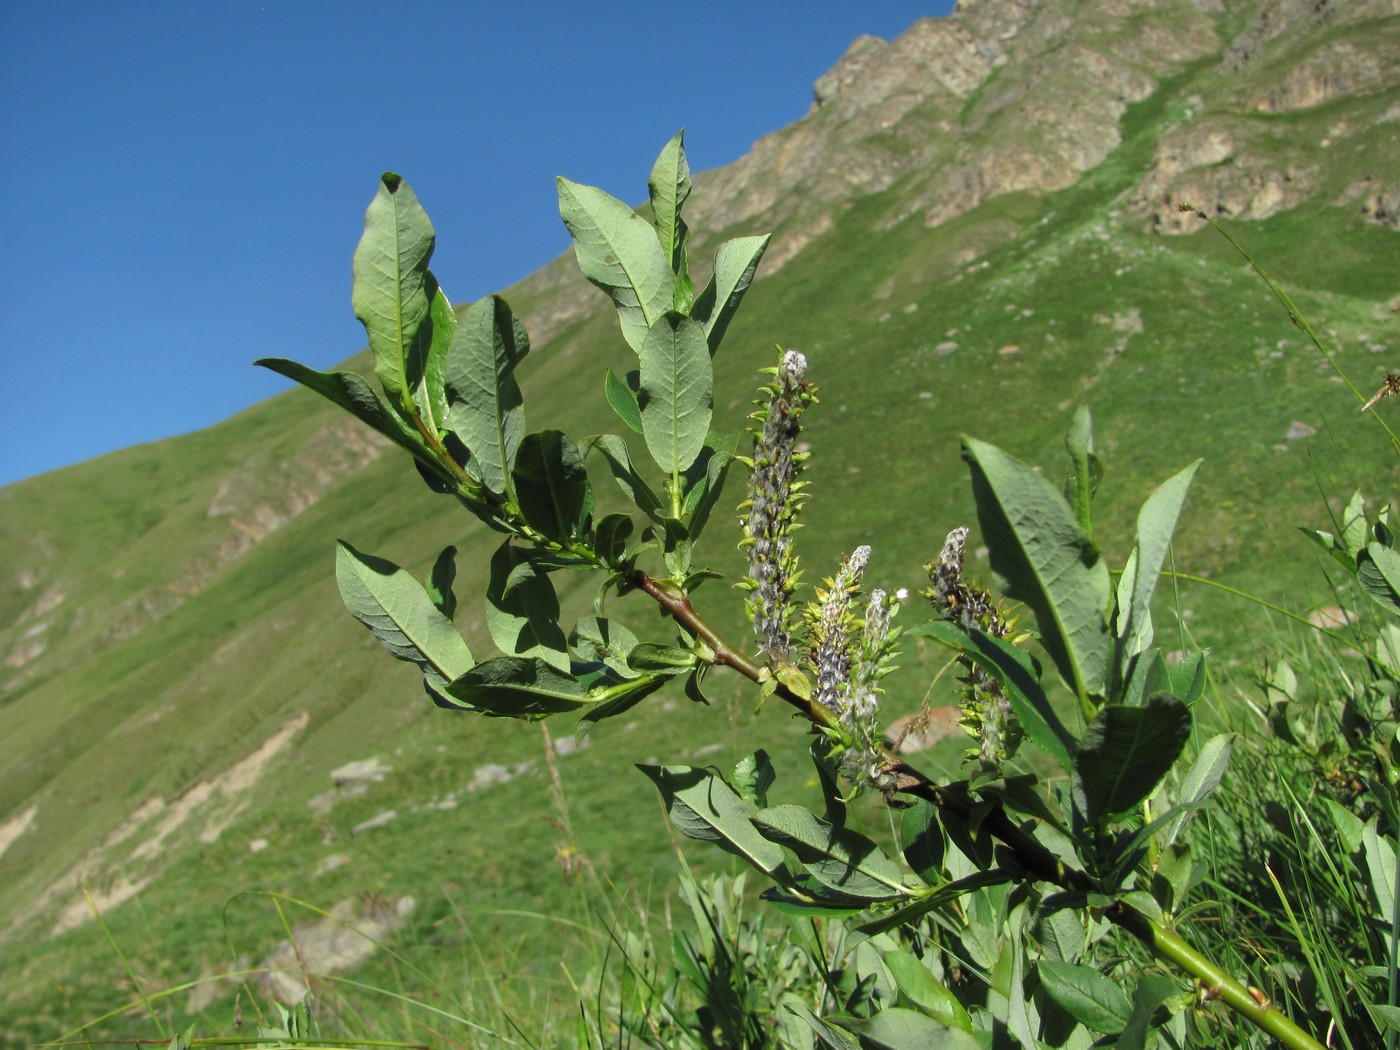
774	499
987	714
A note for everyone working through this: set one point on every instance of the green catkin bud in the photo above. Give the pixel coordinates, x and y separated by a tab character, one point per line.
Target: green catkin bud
774	499
986	712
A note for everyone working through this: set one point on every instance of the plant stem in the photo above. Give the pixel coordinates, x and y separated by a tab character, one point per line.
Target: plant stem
725	655
1214	982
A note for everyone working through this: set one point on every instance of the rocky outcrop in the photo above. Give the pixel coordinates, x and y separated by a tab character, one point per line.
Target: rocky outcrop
1202	164
1334	71
1292	91
999	97
1375	201
1298	19
1008	96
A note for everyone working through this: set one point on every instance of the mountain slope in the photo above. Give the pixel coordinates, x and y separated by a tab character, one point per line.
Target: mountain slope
975	232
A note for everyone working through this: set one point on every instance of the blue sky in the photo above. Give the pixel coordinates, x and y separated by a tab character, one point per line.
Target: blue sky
188	180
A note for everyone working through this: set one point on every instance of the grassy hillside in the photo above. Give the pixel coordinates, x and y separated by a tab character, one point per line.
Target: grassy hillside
182	680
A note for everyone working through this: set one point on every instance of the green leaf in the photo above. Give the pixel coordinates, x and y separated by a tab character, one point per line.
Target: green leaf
1125	666
1201	779
522	610
1046	561
829	779
1176	873
695	684
1354	530
1378	571
623	398
702	806
752	777
551	485
1389	1014
1019	676
840	858
486	408
353	394
736	262
1329	543
1155	525
807	897
616	700
831	1037
1008	986
1149	676
596	638
1086	469
617	250
393	291
1059	934
431	395
896	1028
675	547
677	392
663	659
926	992
704	481
1125	753
1025	794
1152	991
668	188
1129	846
516	687
614	450
1379	853
922	836
1087	995
909	914
1388	647
612	700
396	608
1188	677
440	582
610	537
1349	827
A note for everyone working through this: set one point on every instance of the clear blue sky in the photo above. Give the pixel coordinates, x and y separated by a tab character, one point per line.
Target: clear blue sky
187	180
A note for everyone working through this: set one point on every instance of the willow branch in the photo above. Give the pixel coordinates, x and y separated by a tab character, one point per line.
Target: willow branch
954	801
725	655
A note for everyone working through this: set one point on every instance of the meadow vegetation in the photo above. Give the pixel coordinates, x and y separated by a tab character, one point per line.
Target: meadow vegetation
1127	849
